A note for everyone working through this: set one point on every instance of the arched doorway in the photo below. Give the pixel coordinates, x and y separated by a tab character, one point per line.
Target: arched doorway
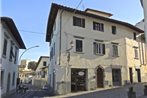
100	77
8	82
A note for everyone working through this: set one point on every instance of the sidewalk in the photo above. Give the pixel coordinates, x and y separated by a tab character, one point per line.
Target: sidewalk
119	92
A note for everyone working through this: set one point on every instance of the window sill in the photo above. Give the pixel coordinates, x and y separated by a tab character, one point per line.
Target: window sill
98	31
79	52
115	56
99	54
136	58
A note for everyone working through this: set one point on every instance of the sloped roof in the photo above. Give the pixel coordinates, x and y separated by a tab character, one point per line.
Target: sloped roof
56	7
40	60
11	25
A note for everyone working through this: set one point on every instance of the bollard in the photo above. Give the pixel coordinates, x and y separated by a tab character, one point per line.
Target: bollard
131	93
145	90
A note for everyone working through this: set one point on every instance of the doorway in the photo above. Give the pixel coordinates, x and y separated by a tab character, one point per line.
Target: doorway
78	79
131	75
100	77
8	82
116	77
138	75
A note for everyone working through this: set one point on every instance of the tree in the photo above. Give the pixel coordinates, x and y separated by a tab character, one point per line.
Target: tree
32	65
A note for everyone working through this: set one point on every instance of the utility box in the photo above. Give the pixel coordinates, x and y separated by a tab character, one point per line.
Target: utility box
131	93
145	90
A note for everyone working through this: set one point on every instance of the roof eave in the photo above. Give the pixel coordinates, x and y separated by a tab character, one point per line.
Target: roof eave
56	7
11	25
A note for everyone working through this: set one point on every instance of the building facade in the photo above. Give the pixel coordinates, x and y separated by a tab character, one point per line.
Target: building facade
11	42
90	50
41	72
25	74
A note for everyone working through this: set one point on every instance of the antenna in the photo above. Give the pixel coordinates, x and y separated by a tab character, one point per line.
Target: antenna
83	6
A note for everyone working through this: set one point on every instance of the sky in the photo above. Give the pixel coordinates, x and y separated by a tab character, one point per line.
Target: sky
31	16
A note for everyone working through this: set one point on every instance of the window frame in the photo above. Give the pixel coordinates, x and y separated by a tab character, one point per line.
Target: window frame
11	55
16	54
77	21
98	26
99	48
115	50
78	50
114	30
5	46
134	35
13	79
136	56
2	78
44	63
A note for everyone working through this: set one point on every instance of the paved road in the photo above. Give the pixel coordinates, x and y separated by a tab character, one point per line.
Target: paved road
143	97
32	92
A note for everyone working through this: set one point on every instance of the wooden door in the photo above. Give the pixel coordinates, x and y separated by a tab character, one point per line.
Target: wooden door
100	78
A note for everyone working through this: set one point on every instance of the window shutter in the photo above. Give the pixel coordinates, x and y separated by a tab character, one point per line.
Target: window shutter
94	47
93	26
74	21
103	48
83	23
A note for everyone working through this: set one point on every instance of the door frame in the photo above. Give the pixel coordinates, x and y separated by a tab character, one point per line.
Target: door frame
8	82
102	70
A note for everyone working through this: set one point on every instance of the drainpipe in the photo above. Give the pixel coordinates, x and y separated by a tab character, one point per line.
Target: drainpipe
144	5
60	37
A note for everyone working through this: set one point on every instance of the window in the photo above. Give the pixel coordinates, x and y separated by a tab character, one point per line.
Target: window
44	63
2	78
116	77
113	29
11	52
99	48
115	50
5	47
43	74
136	52
98	26
16	53
134	36
13	81
78	22
79	46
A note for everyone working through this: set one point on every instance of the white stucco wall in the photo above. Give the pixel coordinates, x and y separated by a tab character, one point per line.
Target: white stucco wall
7	66
87	59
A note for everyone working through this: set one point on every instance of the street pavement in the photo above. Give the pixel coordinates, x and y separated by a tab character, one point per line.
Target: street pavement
143	97
32	92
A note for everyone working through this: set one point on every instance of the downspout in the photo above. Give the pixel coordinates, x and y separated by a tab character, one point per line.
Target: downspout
60	37
139	52
142	52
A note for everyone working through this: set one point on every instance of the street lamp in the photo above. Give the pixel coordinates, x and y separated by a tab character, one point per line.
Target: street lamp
18	79
26	51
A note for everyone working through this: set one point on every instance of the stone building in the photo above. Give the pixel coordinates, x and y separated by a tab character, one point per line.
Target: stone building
90	50
10	43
